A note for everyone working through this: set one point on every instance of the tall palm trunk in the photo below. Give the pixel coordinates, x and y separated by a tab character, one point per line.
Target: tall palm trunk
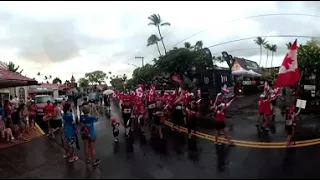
158	49
260	55
164	47
272	53
267	58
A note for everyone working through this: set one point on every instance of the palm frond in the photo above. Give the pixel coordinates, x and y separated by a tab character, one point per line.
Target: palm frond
165	24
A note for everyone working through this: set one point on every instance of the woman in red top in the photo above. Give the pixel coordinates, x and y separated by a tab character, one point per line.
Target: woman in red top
32	114
220	124
260	108
267	112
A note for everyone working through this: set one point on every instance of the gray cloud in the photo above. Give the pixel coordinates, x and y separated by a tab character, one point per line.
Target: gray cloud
46	40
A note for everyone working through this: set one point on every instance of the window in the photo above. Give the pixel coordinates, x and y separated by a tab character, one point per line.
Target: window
43	99
251	65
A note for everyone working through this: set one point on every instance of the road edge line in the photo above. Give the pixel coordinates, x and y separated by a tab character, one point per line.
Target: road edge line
39	128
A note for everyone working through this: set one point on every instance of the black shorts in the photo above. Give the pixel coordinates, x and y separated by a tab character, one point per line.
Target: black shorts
177	117
157	120
126	118
141	121
220	125
289	129
115	132
261	113
32	118
55	124
191	124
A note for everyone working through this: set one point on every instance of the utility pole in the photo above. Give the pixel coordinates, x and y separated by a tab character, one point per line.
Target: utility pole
140	57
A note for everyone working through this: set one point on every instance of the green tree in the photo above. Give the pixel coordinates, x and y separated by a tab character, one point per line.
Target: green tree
157	22
288	45
187	45
83	82
309	57
144	74
198	45
153	40
96	77
260	42
57	80
117	83
13	68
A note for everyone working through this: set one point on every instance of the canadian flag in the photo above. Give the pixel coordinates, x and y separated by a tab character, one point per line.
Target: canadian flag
225	89
266	87
289	73
274	93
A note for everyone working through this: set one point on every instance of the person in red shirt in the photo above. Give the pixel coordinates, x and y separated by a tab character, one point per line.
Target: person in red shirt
267	113
48	114
261	108
32	114
220	121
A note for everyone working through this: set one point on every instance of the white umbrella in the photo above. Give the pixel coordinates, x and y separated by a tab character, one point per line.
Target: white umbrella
240	72
253	73
108	92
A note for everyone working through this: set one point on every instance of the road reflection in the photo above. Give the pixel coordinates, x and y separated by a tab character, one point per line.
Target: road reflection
223	152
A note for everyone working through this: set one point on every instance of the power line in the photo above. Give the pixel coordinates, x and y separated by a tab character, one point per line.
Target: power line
251	17
247	38
244	49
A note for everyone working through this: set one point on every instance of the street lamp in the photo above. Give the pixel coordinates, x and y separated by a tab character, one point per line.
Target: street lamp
140	57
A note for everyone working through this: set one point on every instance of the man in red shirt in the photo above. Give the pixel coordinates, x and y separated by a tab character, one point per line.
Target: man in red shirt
48	113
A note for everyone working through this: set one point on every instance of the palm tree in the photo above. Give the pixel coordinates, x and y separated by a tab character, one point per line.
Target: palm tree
267	47
260	42
157	22
273	50
288	45
13	68
198	45
153	40
110	72
187	45
56	81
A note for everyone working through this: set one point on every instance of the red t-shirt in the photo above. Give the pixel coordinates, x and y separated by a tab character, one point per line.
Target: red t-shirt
48	109
7	111
266	107
220	116
260	106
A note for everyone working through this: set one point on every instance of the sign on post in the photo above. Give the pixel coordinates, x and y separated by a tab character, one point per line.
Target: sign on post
301	103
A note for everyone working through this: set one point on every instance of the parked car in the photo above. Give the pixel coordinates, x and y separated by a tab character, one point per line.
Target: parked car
41	101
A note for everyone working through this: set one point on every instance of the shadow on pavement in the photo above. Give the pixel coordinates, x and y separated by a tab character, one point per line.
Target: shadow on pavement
41	159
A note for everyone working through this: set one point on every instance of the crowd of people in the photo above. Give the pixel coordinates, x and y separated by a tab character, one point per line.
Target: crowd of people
17	119
181	107
267	109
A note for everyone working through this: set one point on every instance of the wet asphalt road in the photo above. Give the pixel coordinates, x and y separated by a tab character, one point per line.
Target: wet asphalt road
201	159
208	161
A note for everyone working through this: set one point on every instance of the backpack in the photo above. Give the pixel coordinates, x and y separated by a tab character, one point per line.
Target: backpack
85	132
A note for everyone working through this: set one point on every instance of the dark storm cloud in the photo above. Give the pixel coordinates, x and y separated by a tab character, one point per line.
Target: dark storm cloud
45	40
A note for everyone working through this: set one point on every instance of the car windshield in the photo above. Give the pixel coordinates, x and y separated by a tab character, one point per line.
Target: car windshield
43	99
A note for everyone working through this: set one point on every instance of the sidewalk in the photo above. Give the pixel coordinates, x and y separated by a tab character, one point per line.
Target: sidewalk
41	158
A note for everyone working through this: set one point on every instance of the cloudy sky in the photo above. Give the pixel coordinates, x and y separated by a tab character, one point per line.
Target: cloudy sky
61	38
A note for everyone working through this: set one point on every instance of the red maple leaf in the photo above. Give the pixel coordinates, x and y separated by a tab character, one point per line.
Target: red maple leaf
287	61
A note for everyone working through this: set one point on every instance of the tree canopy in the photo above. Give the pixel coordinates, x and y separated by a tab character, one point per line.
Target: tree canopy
96	77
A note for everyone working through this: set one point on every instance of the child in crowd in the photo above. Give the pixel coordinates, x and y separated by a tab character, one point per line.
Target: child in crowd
88	133
69	133
115	128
